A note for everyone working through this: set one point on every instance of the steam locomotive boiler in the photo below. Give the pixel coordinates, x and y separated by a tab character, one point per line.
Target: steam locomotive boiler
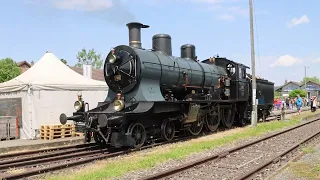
155	95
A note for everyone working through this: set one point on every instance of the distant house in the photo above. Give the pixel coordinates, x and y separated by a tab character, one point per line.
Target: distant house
287	87
97	74
313	88
24	66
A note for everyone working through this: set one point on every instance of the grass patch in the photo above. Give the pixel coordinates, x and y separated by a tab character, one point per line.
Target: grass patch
118	167
308	150
306	170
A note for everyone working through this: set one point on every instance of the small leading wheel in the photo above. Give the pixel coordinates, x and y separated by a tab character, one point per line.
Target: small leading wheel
138	134
167	130
212	121
196	127
98	139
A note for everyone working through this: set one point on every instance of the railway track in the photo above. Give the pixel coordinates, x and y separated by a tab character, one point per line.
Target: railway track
45	160
253	160
42	161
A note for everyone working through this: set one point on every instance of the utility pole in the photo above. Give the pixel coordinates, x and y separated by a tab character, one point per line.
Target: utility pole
305	80
253	66
305	77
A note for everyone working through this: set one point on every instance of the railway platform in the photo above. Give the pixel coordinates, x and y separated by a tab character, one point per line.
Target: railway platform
26	144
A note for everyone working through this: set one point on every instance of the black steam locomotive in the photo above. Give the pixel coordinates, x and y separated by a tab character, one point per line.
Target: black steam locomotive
154	95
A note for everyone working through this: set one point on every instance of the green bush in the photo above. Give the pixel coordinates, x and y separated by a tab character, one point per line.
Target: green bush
295	92
8	69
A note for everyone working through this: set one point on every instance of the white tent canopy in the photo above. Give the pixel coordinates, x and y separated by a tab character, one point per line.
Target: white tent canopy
48	89
49	73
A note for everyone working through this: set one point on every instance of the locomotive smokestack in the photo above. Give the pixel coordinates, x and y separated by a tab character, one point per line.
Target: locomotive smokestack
135	33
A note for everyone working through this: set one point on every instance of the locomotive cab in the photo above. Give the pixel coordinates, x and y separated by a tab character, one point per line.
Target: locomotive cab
237	73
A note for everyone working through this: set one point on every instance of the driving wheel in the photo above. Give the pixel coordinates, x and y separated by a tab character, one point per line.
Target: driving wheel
213	120
227	117
196	127
167	130
138	134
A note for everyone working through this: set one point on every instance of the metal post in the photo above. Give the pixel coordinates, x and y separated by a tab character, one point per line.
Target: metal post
305	77
253	66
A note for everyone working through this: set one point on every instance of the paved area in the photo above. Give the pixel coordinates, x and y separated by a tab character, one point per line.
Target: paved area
25	144
294	110
306	167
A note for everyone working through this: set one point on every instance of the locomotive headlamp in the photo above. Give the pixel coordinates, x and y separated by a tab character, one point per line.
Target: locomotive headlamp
112	58
78	105
118	105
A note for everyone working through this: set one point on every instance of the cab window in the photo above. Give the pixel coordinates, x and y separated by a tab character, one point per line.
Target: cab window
243	73
231	69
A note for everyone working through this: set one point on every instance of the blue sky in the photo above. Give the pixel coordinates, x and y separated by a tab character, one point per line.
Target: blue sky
286	33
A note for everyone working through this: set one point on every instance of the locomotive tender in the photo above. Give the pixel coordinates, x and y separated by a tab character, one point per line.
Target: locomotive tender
154	95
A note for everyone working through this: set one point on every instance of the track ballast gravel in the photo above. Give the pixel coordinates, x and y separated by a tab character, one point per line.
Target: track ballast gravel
240	162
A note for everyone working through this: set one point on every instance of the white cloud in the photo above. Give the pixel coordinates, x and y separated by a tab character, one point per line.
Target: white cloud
226	17
297	21
316	60
213	1
83	5
229	12
286	61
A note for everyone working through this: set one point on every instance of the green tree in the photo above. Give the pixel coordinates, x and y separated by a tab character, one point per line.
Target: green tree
8	69
90	57
295	92
64	61
277	94
312	79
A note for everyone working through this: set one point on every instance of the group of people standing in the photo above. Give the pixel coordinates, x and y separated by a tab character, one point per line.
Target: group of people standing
299	102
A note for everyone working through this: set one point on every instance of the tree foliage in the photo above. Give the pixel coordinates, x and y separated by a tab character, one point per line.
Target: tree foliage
312	79
8	69
64	61
295	92
277	94
90	57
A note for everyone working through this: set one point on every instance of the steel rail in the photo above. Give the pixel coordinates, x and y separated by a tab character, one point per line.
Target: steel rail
45	150
275	159
50	159
179	169
82	161
46	155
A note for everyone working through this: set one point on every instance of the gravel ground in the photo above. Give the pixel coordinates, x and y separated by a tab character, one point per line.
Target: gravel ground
248	158
306	167
174	163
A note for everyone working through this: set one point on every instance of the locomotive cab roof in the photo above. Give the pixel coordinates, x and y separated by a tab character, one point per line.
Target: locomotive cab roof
221	61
